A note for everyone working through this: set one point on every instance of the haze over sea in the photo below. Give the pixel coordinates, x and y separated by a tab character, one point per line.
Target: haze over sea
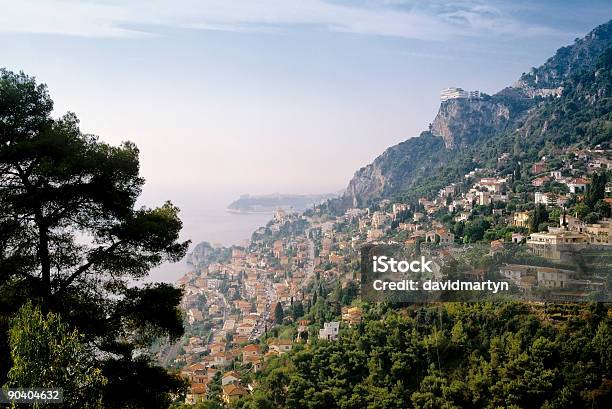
204	219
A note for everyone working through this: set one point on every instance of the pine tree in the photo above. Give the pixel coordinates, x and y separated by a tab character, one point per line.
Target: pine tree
74	241
278	313
297	310
596	191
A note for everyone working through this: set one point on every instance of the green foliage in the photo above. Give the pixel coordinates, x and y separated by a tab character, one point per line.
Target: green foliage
555	214
537	218
583	114
138	382
475	230
213	393
279	315
581	210
73	241
603	209
46	354
297	310
206	404
452	356
596	190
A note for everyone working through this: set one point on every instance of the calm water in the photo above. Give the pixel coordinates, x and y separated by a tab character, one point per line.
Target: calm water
204	219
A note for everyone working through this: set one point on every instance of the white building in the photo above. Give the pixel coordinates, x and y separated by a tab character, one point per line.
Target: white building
553	277
330	330
453	93
448	190
458	93
577	185
514	272
549	199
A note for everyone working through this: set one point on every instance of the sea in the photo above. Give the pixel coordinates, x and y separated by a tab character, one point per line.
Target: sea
204	218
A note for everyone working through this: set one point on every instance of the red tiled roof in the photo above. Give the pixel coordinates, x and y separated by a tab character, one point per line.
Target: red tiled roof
233	390
232	373
281	342
198	388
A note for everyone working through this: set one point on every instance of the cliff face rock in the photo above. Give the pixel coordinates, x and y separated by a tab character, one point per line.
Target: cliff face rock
462	121
458	124
368	181
395	170
463	126
583	54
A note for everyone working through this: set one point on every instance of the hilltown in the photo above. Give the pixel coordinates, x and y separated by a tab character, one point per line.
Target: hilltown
296	282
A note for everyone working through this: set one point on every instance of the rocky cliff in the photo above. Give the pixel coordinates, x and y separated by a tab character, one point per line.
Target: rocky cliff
462	121
569	60
396	169
464	129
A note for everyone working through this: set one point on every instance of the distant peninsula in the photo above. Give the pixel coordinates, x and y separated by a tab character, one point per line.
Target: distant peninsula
269	203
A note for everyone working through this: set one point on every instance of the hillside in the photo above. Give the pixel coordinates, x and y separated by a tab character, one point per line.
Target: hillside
569	60
565	101
481	195
453	356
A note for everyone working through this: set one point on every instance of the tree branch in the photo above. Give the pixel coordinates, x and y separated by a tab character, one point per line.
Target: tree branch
82	269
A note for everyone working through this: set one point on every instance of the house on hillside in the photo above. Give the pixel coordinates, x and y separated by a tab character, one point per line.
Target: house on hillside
441	236
230	377
194	315
255	361
220	359
352	315
196	393
217	347
520	219
330	331
577	185
231	393
251	350
538	167
281	346
244	329
539	182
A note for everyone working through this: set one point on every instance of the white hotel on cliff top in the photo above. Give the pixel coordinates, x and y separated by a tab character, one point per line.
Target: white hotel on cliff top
458	93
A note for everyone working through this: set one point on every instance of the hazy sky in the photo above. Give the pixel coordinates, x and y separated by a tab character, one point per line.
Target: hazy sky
273	95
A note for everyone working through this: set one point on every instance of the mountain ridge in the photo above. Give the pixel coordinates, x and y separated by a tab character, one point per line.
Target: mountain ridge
465	128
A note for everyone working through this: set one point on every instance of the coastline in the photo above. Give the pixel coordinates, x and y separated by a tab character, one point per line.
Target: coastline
234	211
214	224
